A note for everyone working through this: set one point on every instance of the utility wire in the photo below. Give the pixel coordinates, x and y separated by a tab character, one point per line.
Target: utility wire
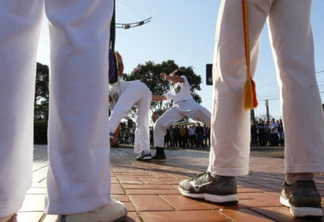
131	9
322	71
266	85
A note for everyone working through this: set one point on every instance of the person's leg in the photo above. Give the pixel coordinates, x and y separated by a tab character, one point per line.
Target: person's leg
192	140
125	102
167	119
142	132
78	179
230	150
292	41
20	23
197	112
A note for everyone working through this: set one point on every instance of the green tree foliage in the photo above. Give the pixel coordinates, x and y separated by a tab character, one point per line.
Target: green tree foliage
149	73
41	92
41	104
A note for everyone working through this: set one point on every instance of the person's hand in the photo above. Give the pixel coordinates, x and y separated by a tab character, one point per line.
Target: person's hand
163	76
118	56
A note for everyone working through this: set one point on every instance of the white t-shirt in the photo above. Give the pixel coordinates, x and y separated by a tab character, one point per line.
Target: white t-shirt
274	127
179	91
115	90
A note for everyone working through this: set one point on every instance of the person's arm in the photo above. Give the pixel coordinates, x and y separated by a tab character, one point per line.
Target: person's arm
120	64
174	79
158	98
112	103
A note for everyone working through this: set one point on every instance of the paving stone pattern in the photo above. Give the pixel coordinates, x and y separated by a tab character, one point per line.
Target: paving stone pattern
150	189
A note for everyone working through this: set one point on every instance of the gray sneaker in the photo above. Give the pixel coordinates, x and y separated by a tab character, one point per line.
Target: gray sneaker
222	190
302	198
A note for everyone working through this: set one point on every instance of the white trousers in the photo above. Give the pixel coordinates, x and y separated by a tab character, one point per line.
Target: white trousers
79	174
188	108
139	95
293	50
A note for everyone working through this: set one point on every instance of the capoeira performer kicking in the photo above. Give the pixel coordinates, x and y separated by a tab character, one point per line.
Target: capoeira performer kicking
183	106
122	96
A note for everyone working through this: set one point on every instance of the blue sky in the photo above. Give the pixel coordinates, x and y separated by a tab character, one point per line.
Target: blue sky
184	31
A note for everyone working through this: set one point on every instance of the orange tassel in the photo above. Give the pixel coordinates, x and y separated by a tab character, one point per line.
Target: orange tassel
250	98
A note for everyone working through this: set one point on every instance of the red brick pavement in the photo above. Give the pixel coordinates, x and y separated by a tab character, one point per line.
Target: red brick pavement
150	190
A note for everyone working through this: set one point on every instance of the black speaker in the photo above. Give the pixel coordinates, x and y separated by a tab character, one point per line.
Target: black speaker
209	74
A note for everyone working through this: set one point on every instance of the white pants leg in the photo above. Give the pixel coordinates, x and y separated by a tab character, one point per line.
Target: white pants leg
138	94
168	118
302	112
293	44
20	23
79	174
230	125
142	132
195	111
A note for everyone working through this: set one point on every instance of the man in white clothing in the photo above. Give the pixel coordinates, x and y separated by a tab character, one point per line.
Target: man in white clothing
78	180
183	106
273	126
122	96
292	41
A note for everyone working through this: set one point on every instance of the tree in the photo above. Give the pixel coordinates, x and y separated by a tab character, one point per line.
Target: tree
149	73
263	116
41	92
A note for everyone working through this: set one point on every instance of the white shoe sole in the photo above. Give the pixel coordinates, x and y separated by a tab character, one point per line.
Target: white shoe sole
210	197
302	211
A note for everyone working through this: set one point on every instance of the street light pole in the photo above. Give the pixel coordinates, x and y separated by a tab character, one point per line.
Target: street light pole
133	24
267	108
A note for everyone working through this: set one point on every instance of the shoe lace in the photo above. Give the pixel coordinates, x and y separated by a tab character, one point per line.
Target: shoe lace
199	175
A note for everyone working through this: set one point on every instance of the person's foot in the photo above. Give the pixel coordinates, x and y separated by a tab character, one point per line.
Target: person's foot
159	156
11	218
222	190
302	198
113	212
143	156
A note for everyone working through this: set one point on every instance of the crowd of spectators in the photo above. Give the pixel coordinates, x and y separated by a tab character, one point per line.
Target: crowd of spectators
177	136
265	133
184	136
127	132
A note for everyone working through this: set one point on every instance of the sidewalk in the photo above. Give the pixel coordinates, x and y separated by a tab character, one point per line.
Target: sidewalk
150	189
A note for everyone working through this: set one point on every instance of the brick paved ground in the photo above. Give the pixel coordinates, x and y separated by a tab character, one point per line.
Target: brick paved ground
150	189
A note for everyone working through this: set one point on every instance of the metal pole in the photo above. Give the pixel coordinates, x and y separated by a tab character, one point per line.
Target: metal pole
267	108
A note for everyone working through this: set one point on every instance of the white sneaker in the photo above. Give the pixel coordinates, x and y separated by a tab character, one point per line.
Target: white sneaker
144	156
113	212
11	218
